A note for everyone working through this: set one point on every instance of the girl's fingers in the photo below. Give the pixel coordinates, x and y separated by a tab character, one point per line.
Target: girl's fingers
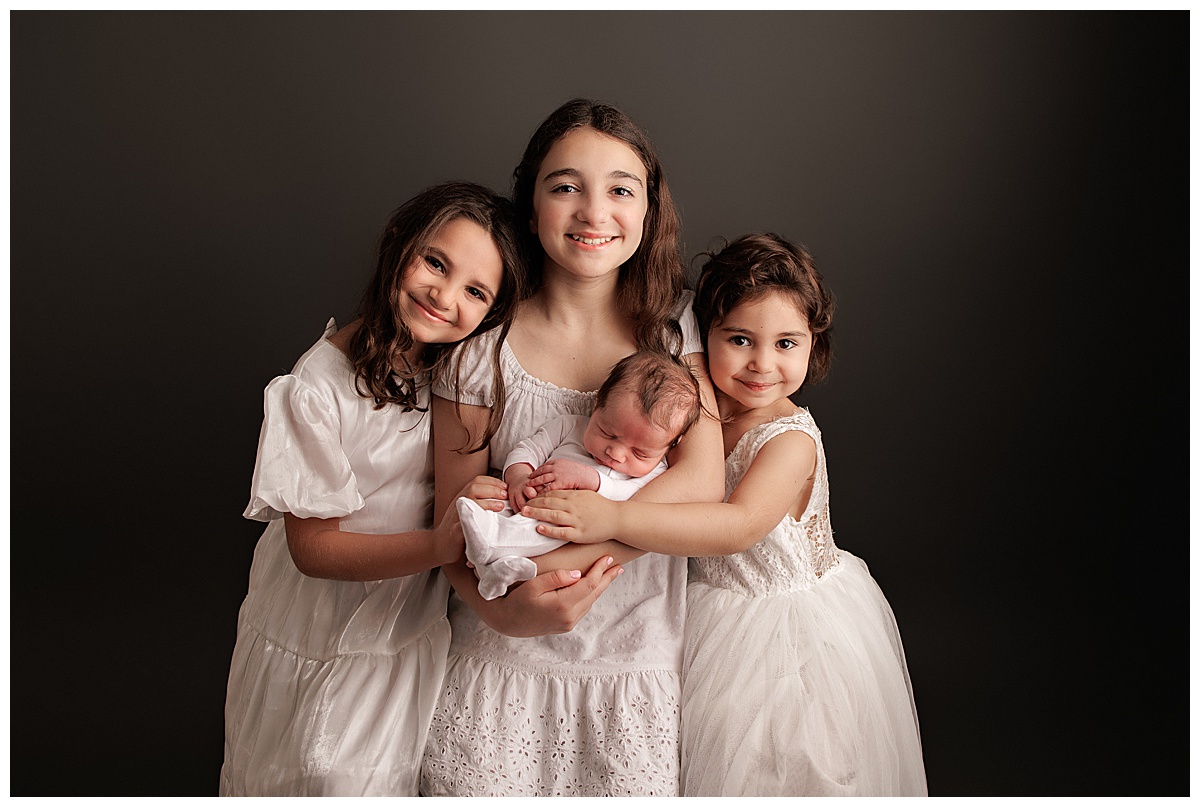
549	514
560	533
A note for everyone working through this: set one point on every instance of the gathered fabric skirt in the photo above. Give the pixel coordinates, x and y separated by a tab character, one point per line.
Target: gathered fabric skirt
804	693
504	731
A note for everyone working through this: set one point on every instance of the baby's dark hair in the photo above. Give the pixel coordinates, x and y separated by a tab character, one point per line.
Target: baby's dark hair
384	334
662	384
758	263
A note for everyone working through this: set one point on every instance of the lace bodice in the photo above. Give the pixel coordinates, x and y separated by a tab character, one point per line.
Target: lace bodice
797	553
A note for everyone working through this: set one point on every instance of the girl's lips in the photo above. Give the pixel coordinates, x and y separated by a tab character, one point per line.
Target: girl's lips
429	313
591	239
756	386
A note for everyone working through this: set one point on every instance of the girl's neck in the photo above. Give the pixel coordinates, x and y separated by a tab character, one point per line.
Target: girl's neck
574	302
739	419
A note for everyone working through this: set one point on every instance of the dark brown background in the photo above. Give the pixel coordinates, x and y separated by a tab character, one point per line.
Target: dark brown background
999	200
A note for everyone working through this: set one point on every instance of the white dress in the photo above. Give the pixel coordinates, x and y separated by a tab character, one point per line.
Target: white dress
794	676
333	683
591	712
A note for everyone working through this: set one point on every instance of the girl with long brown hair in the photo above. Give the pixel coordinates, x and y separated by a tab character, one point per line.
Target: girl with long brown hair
342	638
594	711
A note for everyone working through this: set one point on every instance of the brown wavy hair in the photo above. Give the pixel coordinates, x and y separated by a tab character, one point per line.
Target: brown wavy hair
383	335
651	281
749	267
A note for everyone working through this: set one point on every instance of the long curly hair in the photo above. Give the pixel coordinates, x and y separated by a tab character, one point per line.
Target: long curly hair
383	335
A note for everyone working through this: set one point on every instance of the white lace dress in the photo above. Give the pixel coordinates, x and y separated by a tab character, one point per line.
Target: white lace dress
794	676
333	683
592	712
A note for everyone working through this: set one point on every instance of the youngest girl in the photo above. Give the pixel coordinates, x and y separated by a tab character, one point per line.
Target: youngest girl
342	639
794	679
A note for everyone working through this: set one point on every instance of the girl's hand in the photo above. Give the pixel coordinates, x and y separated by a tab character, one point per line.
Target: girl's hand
578	516
448	541
564	475
553	602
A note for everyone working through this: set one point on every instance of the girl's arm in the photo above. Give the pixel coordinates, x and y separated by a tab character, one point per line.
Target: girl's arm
778	481
320	548
696	473
552	602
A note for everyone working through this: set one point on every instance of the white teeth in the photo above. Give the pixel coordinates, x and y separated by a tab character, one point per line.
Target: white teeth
591	242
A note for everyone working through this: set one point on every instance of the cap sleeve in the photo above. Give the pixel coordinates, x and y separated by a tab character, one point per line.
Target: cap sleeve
692	343
475	375
301	468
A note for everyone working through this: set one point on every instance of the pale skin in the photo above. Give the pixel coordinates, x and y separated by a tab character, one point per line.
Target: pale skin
447	291
570	333
759	355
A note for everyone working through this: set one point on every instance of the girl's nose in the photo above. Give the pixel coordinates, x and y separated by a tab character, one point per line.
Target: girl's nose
593	209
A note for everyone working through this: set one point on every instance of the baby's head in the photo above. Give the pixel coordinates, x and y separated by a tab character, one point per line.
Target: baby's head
758	265
647	403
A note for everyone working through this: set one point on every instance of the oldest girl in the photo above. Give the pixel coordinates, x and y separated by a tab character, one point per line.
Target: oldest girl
342	638
594	711
795	682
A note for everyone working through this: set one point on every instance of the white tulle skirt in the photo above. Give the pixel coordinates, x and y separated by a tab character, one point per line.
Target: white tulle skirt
798	694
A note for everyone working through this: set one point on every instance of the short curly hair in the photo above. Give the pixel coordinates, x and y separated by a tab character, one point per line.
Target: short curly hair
749	267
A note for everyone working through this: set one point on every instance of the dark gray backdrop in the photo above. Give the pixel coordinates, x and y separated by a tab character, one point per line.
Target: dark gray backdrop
999	200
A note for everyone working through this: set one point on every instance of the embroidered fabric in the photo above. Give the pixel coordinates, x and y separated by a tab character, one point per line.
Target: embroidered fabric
601	702
503	733
798	552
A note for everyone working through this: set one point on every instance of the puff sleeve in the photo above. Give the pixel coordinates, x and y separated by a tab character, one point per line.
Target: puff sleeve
301	467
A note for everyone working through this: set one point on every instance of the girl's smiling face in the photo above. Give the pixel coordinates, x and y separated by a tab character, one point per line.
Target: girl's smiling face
589	203
758	355
448	288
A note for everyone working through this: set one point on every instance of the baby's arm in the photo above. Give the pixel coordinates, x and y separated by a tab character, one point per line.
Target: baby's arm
778	481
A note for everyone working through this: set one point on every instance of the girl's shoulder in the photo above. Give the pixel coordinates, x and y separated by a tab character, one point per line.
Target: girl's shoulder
324	366
759	434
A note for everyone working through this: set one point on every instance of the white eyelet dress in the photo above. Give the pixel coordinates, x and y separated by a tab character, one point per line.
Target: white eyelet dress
333	683
592	712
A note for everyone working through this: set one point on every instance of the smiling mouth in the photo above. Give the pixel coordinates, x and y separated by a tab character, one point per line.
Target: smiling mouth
429	313
757	386
591	242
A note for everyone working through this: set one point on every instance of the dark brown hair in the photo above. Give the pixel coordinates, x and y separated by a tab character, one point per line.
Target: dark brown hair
749	267
651	281
662	384
384	335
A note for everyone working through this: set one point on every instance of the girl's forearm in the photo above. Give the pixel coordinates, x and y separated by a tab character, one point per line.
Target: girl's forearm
581	556
320	549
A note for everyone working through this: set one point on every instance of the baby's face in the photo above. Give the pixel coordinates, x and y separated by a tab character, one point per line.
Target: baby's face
622	437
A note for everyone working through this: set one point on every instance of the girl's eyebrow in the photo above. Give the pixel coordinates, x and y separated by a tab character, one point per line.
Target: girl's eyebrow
732	329
574	173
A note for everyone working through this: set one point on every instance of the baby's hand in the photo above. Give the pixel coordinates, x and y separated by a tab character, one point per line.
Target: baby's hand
564	475
518	491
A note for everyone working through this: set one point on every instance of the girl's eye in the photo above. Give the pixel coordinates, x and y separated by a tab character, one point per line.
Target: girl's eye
786	344
564	189
435	264
477	294
622	191
740	341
